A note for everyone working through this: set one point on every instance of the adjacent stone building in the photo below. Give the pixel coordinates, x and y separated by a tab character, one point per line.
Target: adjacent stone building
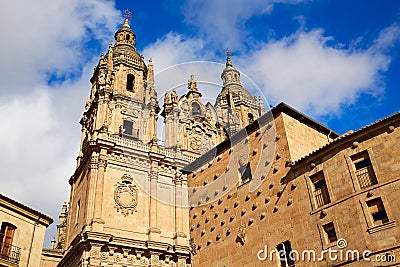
22	231
285	184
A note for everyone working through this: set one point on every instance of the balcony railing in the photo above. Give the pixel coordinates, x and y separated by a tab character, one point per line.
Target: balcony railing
366	176
10	253
134	135
321	196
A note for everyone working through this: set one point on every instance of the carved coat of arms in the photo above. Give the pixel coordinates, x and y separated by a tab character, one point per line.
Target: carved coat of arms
126	195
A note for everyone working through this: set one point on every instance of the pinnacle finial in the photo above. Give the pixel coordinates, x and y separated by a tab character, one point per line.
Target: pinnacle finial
228	57
192	84
228	62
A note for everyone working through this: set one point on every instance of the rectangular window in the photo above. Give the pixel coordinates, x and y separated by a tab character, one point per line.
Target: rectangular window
245	172
320	190
129	131
128	127
363	169
330	232
285	256
6	238
377	211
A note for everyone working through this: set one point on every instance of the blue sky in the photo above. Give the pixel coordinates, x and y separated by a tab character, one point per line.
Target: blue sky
334	60
351	26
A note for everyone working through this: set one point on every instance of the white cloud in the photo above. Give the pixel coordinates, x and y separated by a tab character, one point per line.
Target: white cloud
222	22
47	37
174	48
40	130
308	73
40	140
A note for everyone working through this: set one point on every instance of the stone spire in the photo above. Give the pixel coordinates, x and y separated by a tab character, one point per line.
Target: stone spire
230	75
192	87
228	62
150	72
125	35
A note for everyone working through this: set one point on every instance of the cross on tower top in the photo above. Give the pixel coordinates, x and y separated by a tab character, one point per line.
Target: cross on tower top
127	13
227	52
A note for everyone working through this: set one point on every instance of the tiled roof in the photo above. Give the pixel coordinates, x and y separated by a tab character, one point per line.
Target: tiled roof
348	135
26	208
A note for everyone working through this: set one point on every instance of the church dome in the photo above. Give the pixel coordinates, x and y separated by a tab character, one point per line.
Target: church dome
124	48
125	35
231	83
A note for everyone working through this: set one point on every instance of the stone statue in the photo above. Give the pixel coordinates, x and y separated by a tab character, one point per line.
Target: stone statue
174	97
166	98
192	85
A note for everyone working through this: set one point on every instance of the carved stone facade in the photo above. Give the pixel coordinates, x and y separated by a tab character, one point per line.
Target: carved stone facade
62	228
127	201
196	127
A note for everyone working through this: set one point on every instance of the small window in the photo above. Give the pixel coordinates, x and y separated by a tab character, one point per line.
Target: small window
6	238
130	82
320	190
78	207
377	211
251	117
128	127
128	37
245	172
363	169
330	233
196	110
285	256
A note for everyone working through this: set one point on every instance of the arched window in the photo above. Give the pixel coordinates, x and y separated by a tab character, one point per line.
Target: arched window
250	117
196	110
6	238
130	82
128	37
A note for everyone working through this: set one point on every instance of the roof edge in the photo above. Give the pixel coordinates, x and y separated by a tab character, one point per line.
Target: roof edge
41	217
261	121
394	118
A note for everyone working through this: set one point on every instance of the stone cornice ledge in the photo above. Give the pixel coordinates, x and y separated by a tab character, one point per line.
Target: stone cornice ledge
381	227
97	236
128	242
182	249
158	245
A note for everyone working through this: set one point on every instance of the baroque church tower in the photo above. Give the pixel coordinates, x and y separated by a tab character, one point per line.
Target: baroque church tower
235	106
127	200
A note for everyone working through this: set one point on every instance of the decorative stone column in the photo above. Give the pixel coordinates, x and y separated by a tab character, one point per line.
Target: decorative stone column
98	203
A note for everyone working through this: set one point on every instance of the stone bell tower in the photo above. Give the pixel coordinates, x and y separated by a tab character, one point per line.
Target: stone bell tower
235	106
128	195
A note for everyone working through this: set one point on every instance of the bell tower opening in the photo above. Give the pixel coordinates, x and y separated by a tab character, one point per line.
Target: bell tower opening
130	82
250	117
196	110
